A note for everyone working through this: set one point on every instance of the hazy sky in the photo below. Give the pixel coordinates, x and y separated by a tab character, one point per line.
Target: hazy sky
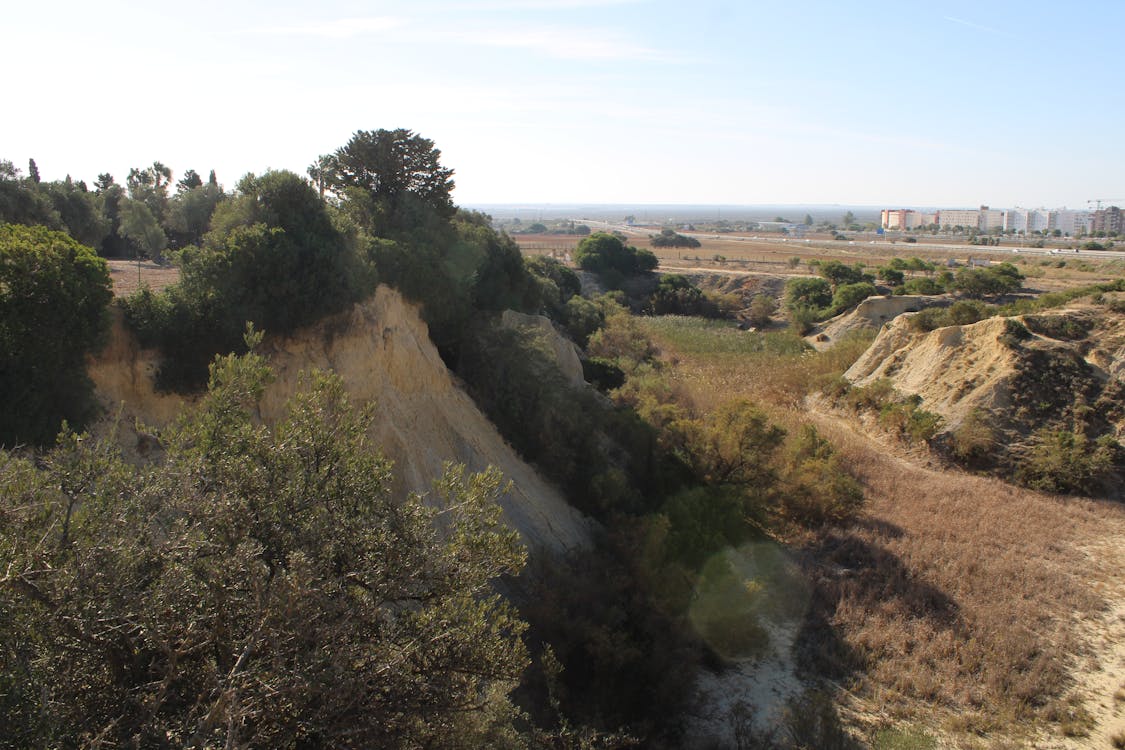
952	103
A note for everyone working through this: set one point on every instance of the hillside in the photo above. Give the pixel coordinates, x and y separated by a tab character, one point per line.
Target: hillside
1026	372
382	351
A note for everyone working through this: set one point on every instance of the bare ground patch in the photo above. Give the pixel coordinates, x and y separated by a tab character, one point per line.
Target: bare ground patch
128	276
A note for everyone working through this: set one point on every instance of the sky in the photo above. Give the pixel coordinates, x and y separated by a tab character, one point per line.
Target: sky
954	103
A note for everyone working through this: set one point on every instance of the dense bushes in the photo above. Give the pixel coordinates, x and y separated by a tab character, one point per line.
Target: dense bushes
261	588
675	295
610	258
671	238
272	257
992	280
1065	461
54	295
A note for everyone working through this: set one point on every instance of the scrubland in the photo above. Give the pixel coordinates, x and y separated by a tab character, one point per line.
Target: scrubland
956	606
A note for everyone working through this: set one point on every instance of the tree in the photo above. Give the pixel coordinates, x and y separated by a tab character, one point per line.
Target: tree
808	220
150	186
979	282
892	276
139	226
850	295
263	588
671	238
838	273
322	173
189	181
78	211
190	211
32	171
606	253
806	292
54	294
849	219
272	257
400	171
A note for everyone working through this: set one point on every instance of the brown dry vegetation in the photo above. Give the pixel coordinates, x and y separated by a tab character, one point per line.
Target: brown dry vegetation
743	255
956	600
128	276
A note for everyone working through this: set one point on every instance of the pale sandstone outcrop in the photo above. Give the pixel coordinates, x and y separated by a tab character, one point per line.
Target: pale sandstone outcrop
382	351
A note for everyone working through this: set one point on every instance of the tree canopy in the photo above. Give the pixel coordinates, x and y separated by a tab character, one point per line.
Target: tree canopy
54	295
401	172
602	252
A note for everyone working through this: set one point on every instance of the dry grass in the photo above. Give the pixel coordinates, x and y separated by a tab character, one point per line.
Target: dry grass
954	597
742	254
128	276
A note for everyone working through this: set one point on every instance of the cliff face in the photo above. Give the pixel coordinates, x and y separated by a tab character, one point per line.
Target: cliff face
382	351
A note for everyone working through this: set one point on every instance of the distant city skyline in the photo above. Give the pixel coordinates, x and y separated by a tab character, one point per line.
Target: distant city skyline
591	101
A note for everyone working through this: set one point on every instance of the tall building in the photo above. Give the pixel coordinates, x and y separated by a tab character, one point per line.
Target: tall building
959	218
1015	220
1039	220
1110	220
900	218
1071	223
990	219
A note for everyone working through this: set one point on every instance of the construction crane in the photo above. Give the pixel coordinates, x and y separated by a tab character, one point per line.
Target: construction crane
1100	201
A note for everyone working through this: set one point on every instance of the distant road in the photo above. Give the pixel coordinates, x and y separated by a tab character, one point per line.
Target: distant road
635	231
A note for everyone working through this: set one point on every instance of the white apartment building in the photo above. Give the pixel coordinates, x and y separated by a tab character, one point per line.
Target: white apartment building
1015	220
959	218
901	218
991	218
1073	222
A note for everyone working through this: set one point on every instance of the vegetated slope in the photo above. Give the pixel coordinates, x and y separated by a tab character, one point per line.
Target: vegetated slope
969	605
382	351
954	605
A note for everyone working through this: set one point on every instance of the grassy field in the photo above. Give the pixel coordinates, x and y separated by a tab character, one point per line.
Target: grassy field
957	601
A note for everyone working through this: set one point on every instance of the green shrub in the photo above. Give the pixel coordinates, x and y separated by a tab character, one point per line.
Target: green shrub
602	252
1067	327
872	397
273	257
807	293
966	312
922	285
973	442
1062	461
909	421
762	308
817	488
804	319
265	585
54	297
848	296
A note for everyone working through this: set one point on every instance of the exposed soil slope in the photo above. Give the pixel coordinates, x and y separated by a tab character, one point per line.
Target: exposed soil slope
1026	372
382	351
870	314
